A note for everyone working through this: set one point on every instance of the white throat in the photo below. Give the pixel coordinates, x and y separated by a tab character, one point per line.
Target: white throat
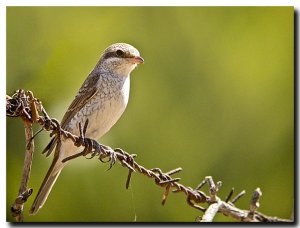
119	67
125	69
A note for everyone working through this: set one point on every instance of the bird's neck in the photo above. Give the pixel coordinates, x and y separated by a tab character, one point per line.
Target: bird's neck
122	70
111	78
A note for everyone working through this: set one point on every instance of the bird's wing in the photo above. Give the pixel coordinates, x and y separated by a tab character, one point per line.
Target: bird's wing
86	92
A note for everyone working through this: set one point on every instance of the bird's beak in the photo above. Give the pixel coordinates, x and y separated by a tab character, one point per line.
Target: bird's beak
136	59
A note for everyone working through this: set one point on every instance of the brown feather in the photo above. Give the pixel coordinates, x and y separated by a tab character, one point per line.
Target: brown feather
51	145
85	93
46	186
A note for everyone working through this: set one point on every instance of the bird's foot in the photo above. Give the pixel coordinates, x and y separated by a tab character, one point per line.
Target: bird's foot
107	152
95	149
92	147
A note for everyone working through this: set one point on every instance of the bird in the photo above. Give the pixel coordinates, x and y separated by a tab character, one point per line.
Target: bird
101	100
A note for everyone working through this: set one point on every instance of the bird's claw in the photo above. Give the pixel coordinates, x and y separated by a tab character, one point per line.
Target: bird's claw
107	152
92	147
95	149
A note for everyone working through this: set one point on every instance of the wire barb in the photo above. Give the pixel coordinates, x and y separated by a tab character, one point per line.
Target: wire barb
202	183
229	195
242	193
177	170
165	195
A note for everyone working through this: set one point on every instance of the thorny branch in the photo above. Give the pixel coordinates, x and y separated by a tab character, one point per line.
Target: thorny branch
27	107
24	192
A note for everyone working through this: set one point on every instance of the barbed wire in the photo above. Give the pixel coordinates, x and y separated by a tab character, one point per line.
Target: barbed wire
25	105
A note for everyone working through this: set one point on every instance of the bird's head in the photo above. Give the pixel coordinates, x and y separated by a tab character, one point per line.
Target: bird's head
121	58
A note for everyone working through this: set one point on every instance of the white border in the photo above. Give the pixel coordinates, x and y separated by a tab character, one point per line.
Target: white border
5	3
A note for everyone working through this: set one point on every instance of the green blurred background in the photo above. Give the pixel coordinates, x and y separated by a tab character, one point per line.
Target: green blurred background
215	97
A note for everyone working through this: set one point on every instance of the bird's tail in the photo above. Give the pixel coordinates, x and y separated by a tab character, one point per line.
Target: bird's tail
47	185
62	150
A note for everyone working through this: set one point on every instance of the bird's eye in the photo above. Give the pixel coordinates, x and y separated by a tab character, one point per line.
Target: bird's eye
120	53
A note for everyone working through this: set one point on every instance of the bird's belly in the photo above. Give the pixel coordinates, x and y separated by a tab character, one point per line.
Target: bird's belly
103	110
102	114
105	117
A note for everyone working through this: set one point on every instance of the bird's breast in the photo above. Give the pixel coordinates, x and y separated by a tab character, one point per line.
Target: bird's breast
104	109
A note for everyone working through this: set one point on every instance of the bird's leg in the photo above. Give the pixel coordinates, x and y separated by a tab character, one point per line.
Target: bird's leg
82	130
83	141
89	144
85	127
88	147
